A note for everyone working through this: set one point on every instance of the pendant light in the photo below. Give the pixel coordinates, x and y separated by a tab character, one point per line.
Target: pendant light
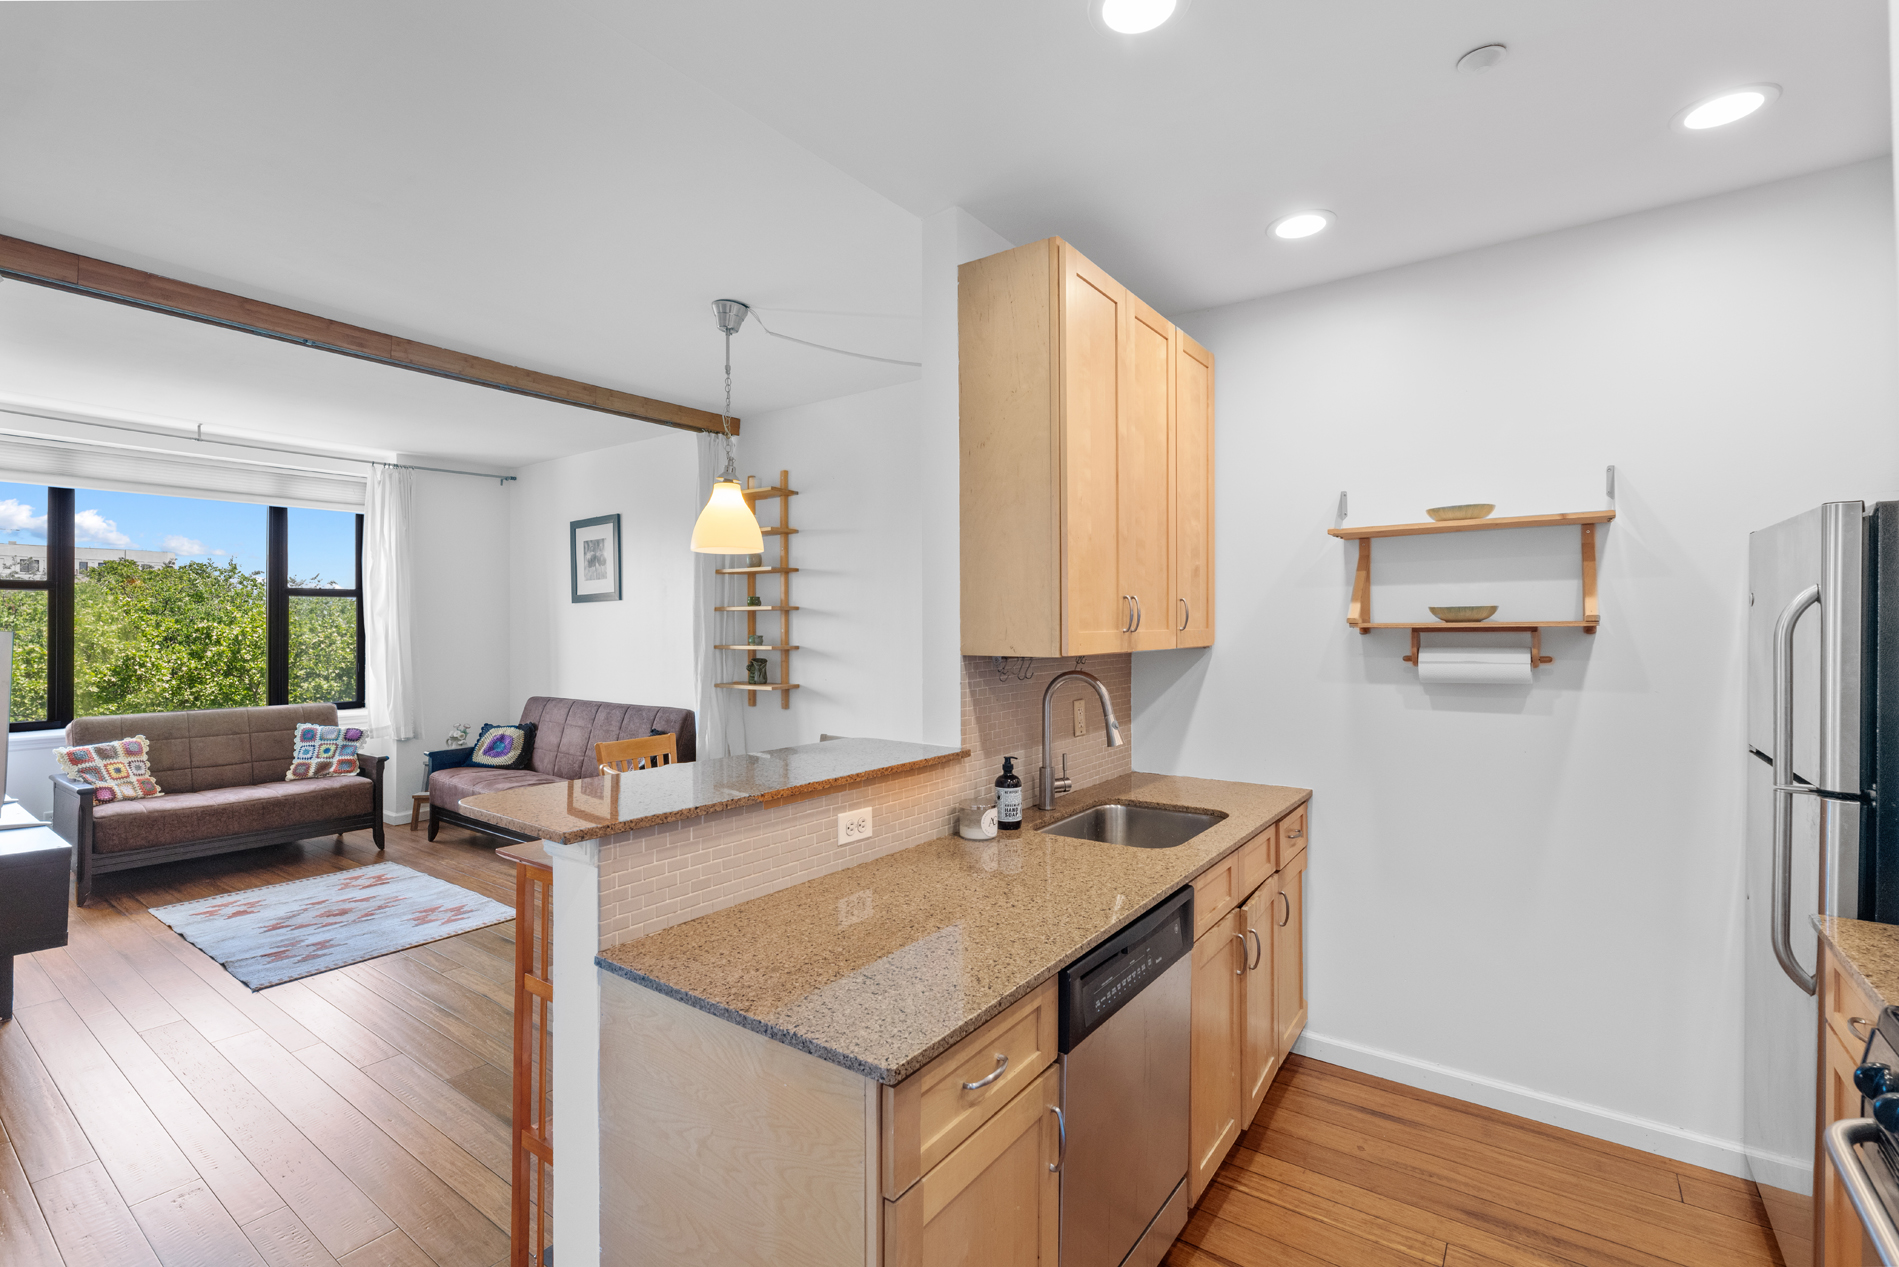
727	524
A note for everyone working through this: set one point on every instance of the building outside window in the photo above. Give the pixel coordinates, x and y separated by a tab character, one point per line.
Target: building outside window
134	603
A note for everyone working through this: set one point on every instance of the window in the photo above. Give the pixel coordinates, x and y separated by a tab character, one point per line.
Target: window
130	603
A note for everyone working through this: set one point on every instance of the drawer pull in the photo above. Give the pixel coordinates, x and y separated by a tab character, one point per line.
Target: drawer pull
1002	1063
1288	902
1294	835
1854	1022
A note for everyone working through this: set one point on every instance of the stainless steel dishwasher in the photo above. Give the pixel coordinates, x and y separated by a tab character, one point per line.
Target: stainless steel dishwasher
1126	1033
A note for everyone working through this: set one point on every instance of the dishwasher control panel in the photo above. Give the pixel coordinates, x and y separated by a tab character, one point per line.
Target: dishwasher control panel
1097	985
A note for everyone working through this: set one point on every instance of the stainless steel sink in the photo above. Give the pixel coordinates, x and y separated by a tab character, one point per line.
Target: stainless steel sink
1136	826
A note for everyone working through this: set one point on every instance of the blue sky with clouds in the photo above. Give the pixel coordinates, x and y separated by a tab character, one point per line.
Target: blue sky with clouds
322	542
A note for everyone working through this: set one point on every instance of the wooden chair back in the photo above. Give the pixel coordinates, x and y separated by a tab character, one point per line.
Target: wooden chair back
636	754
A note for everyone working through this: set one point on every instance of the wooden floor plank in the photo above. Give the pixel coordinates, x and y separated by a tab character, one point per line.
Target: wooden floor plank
238	1185
1328	1241
1502	1136
1744	1203
135	1149
330	1205
1354	1219
130	994
493	1017
491	1088
70	980
436	1218
1580	1201
479	1132
447	1160
282	1240
495	992
491	967
408	1034
1242	1244
197	1002
44	1131
25	1240
30	983
262	1012
493	1049
329	1023
189	1228
89	1220
393	1250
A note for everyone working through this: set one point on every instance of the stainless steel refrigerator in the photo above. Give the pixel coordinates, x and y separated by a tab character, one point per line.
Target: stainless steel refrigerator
1822	709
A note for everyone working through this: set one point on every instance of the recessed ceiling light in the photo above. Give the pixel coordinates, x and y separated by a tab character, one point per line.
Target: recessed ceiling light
1479	60
1132	17
1728	107
1302	224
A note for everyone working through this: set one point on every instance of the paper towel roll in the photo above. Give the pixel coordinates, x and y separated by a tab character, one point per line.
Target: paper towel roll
1476	666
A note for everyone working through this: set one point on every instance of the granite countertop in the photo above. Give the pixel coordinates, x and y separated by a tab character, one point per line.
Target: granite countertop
1870	951
585	809
883	966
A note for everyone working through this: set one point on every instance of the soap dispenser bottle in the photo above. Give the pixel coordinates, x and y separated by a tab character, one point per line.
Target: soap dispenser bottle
1009	797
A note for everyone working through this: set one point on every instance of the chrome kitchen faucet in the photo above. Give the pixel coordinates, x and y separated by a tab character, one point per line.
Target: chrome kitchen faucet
1053	786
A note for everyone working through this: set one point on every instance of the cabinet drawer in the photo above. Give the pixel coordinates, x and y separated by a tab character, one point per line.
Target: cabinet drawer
1218	890
1259	858
1292	836
1849	1010
929	1113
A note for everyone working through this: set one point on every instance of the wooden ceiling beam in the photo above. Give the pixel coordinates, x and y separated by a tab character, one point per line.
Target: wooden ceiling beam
82	275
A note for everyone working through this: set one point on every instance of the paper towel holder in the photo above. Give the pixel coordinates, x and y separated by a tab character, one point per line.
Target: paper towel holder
1535	631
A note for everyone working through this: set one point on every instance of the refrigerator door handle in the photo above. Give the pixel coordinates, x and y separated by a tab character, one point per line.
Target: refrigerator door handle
1784	785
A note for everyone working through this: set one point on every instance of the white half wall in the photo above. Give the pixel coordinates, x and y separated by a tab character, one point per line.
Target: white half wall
1533	896
635	651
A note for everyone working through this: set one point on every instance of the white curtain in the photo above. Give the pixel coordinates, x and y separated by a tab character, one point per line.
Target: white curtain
388	673
721	714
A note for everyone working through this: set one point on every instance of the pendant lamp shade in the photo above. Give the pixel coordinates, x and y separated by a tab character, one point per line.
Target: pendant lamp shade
727	525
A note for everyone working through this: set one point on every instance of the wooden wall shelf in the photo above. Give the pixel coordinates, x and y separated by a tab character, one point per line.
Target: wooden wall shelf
1358	616
782	492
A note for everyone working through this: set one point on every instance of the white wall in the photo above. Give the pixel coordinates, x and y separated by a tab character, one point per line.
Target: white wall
1532	897
459	543
635	651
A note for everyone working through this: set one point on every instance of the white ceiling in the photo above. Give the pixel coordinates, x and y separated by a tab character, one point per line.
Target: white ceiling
566	185
1164	156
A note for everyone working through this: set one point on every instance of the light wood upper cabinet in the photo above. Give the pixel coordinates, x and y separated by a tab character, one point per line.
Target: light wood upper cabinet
1289	953
1260	1052
1072	463
1219	1014
1192	614
996	1199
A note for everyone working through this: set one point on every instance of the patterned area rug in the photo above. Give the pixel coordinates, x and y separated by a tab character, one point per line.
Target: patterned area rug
268	936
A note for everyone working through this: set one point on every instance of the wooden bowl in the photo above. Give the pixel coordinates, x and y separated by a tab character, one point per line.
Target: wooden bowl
1470	510
1464	615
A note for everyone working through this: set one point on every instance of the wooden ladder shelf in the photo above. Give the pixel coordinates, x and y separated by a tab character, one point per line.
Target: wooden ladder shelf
1358	616
782	492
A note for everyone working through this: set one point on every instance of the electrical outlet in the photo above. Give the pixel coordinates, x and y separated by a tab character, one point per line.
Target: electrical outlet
1081	718
853	826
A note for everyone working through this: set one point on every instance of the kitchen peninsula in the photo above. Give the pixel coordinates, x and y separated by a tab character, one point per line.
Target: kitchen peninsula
861	1068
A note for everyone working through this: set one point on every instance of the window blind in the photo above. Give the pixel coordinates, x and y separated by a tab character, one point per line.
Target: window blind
130	469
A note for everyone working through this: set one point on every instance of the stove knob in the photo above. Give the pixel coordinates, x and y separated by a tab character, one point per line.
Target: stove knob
1886	1112
1874	1080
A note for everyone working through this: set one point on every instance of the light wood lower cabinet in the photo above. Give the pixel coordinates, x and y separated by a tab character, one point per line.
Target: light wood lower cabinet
1844	1009
1261	1051
1289	953
996	1199
1219	1020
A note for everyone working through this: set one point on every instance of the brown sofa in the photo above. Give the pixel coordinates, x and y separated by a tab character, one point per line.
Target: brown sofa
222	771
565	732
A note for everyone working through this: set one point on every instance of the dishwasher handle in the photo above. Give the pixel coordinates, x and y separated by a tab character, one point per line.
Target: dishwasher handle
1873	1215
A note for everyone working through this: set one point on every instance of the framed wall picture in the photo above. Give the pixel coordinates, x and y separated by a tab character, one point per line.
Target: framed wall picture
594	554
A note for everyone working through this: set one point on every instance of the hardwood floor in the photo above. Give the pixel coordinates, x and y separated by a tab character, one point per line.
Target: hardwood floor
1347	1169
154	1111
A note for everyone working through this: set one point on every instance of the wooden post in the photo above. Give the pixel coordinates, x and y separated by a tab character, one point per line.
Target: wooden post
1361	589
533	1154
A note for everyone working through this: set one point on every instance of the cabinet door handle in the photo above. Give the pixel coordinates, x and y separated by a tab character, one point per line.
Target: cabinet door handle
1241	970
1288	901
1061	1124
1259	950
1186	615
1854	1022
1127	622
1002	1063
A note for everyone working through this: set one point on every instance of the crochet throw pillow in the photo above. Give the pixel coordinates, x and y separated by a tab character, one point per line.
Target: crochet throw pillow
504	747
121	770
323	751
